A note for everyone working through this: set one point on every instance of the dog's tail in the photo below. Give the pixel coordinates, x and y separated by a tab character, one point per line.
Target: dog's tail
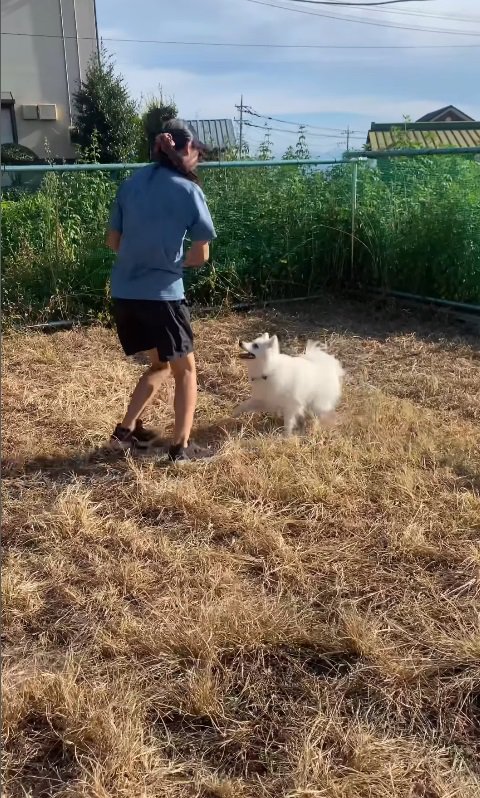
315	352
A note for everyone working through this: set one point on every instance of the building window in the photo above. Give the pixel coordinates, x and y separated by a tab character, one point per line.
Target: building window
8	124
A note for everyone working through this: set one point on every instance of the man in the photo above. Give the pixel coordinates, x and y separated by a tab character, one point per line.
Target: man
154	211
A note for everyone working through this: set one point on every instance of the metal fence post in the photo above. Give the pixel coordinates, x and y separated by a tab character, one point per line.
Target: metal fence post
353	217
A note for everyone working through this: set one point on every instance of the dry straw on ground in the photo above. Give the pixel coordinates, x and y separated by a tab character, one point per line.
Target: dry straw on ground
297	619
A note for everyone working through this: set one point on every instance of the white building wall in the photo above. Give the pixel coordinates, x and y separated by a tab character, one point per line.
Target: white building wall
44	66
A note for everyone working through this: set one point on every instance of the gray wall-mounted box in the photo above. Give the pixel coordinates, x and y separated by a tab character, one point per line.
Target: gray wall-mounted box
30	112
47	111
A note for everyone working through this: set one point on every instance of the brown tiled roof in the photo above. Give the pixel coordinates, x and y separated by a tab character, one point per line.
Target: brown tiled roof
426	135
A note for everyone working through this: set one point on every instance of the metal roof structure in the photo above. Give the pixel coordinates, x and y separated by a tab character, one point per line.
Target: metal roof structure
427	135
219	134
442	114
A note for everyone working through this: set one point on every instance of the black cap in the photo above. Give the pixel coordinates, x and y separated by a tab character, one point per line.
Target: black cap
182	134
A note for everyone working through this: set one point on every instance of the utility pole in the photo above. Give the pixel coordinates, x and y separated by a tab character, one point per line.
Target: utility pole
241	129
242	109
349	133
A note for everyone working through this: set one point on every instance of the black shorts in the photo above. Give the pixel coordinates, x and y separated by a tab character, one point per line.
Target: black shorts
144	324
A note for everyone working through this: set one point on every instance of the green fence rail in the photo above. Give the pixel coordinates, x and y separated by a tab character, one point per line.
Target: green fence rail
285	229
115	167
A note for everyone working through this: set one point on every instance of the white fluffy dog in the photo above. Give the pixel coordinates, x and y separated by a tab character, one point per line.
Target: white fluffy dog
296	387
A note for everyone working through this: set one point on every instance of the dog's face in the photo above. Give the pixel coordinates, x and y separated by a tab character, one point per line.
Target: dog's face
260	347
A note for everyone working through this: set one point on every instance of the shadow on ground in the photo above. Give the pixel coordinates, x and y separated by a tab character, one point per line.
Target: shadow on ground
376	319
95	461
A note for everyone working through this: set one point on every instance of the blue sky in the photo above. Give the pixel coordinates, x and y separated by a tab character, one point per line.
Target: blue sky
326	88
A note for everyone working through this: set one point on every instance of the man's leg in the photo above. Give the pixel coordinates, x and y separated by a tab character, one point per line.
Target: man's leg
146	389
185	375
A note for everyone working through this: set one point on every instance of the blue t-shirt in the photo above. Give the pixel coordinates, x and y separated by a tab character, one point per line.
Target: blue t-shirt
154	211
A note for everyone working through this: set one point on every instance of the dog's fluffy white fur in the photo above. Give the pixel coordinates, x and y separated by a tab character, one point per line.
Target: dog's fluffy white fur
295	387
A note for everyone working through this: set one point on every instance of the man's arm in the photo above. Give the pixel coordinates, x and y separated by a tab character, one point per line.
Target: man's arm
115	227
113	240
200	232
198	254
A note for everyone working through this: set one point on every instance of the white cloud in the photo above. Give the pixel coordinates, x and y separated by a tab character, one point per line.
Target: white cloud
210	96
238	20
379	85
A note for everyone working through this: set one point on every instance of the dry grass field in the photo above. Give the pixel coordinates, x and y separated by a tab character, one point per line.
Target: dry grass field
296	619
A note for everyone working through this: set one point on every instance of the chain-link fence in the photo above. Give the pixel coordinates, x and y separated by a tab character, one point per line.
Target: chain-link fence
284	230
418	221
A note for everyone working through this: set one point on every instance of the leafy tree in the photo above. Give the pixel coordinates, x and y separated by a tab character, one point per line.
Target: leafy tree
106	116
157	111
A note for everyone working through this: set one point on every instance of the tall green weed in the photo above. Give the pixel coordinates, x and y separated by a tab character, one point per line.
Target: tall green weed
282	232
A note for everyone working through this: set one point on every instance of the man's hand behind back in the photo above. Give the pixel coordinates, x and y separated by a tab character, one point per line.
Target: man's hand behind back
197	255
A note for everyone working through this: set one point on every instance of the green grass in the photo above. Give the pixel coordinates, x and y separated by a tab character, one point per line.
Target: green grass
282	231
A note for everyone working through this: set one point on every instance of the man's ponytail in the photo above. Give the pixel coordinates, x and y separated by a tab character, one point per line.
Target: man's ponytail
166	153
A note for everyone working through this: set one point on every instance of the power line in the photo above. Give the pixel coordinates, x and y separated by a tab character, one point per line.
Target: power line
301	127
258	45
268	128
417	28
424	14
356	5
298	124
376	10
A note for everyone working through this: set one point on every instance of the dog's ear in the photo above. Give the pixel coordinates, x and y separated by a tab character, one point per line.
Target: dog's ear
265	336
273	343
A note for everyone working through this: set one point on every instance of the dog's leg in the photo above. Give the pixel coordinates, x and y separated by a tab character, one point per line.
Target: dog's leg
302	424
248	406
290	416
329	419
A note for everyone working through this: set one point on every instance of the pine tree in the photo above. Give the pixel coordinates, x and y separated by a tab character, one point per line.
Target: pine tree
106	116
265	150
245	149
301	151
289	154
